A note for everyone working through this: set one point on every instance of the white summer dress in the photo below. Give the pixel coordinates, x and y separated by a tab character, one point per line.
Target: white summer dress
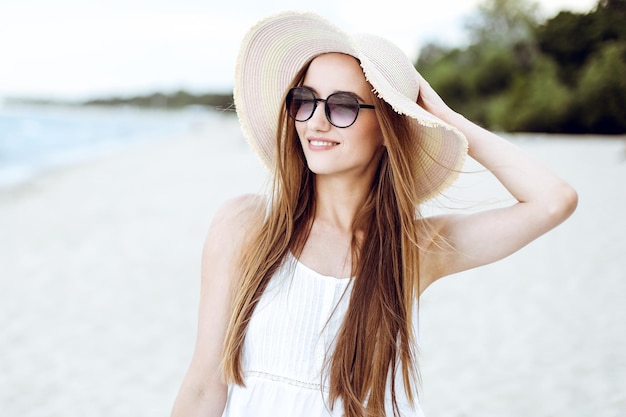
291	330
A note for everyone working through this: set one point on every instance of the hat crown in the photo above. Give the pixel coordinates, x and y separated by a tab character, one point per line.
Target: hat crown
391	66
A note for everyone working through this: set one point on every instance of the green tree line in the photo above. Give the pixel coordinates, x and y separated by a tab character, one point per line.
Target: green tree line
516	72
564	74
175	100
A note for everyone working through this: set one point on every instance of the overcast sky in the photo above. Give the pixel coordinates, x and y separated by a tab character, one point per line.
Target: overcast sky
77	49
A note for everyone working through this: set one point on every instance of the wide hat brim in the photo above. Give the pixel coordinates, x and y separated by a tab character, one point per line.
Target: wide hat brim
276	48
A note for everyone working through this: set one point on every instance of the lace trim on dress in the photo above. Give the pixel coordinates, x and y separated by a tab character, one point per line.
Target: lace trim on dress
287	380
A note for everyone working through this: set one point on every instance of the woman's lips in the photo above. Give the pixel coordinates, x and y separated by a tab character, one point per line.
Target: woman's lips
322	143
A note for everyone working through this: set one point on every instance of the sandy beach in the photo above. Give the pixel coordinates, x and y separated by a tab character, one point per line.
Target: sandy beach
99	276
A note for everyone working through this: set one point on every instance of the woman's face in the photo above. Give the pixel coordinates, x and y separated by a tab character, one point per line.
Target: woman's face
329	150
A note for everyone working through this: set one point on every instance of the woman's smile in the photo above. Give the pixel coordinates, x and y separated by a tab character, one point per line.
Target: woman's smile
321	144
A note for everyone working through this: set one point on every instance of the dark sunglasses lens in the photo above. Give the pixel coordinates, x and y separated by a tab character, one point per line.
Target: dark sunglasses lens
342	109
300	104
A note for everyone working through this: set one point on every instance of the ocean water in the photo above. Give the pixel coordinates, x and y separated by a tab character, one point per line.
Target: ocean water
37	139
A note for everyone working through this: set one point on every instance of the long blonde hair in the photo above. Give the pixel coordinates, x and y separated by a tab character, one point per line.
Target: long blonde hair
376	339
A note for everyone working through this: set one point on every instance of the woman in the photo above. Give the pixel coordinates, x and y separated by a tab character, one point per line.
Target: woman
308	300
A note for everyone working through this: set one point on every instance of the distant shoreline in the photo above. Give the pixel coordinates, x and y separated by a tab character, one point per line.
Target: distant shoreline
158	100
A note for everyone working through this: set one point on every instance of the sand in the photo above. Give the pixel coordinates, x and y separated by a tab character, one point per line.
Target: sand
99	275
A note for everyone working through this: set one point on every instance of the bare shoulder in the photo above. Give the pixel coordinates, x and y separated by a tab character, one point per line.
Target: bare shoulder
429	229
433	244
240	213
236	220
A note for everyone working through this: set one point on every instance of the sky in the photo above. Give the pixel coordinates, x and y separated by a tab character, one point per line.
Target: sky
81	49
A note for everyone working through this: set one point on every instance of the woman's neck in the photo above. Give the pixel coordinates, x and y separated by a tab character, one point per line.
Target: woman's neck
338	200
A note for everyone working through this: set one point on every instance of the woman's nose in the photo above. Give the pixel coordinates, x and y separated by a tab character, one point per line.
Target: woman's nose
319	121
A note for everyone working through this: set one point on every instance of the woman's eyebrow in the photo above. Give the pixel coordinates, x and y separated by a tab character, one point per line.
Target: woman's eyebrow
335	91
311	88
356	95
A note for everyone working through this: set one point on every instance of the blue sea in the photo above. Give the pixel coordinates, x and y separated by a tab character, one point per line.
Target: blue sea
36	139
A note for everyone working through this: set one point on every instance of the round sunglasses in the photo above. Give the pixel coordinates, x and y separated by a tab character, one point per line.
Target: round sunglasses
341	108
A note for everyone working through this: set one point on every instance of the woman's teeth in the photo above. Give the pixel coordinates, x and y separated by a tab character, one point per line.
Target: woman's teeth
322	143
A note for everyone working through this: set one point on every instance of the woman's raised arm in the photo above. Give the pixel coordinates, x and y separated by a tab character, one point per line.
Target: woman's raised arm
544	200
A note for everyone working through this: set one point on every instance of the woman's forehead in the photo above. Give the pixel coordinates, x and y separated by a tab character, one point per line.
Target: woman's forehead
336	72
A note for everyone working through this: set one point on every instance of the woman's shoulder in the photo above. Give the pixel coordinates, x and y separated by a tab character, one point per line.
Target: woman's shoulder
243	210
432	244
235	222
429	229
238	216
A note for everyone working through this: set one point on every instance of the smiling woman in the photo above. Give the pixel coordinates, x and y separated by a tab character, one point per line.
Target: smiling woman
309	294
356	150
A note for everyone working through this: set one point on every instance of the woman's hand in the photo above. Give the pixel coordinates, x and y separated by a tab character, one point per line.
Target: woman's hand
430	101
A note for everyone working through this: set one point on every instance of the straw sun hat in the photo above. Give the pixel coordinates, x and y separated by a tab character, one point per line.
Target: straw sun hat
276	48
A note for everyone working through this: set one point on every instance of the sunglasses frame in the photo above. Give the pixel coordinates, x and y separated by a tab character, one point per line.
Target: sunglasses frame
327	109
